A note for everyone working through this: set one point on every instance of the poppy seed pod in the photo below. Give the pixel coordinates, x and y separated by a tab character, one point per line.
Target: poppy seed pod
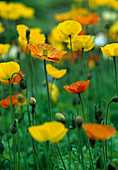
60	117
32	101
1	147
115	99
27	34
23	84
78	121
45	52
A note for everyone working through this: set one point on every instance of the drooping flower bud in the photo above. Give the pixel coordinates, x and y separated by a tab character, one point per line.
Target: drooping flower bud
13	127
115	99
23	84
111	166
60	117
78	121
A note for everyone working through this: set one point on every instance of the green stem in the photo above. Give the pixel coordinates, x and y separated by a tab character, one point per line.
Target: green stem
49	107
83	63
114	59
82	107
91	160
74	75
68	135
61	156
82	158
104	155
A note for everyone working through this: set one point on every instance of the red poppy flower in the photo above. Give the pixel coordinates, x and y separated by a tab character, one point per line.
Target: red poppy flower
46	51
99	132
15	80
88	20
17	99
78	87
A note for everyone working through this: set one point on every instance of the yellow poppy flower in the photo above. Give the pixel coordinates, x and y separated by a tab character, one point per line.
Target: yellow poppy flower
54	92
4	48
69	28
110	50
35	36
48	132
54	72
7	69
82	42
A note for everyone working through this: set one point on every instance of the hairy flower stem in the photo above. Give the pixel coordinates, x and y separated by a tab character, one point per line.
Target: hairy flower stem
82	158
69	161
114	59
61	157
83	63
82	107
49	107
106	120
74	74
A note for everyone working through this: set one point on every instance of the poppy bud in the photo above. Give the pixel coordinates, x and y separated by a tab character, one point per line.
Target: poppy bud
78	121
115	99
1	147
13	128
98	113
89	76
111	166
27	34
60	117
32	101
23	84
107	26
92	142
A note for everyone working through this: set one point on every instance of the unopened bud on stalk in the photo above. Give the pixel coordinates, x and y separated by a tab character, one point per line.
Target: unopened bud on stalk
107	26
1	147
23	84
20	118
27	35
78	121
13	127
92	142
60	117
115	99
32	101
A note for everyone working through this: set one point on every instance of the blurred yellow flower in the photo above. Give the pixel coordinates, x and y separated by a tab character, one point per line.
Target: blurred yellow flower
82	42
54	72
35	36
69	28
70	15
1	28
48	132
7	69
110	50
4	48
113	32
112	4
95	3
54	92
15	11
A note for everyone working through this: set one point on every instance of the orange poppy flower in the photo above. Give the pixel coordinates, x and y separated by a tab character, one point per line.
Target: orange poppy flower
88	20
17	99
46	51
15	80
78	87
99	132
